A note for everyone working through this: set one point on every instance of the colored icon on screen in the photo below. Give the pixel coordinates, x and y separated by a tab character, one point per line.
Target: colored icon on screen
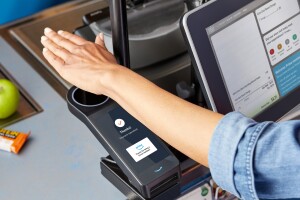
120	123
279	46
287	41
295	37
139	147
272	51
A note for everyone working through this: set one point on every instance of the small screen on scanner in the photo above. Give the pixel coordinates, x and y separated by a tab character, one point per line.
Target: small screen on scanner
258	53
141	148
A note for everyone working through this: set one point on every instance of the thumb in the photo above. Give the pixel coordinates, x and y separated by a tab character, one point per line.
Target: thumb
100	40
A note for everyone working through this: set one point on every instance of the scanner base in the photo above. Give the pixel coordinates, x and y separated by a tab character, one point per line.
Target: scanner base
114	174
193	174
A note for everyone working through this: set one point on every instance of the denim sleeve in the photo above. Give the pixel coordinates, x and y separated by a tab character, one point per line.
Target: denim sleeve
256	160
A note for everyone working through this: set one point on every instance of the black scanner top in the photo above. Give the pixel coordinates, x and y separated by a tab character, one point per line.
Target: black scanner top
141	155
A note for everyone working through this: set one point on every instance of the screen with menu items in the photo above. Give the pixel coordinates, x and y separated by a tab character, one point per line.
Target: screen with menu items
257	49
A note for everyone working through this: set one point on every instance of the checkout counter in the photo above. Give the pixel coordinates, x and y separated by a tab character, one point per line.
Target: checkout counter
61	159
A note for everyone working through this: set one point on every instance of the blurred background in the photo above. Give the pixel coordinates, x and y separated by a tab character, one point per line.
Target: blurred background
15	9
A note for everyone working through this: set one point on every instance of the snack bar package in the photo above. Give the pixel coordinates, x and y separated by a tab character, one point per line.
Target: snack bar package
12	141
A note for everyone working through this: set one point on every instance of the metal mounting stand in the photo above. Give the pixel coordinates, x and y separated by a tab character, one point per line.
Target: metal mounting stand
118	17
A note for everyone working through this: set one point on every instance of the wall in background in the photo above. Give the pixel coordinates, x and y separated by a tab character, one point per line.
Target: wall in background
11	10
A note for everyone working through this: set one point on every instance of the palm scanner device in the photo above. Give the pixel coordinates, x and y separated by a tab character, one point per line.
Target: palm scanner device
150	167
146	161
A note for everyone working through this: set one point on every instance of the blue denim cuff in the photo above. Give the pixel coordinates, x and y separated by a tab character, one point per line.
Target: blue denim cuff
223	149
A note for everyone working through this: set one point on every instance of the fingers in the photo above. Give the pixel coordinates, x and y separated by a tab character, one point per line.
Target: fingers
55	49
54	60
73	38
59	40
100	40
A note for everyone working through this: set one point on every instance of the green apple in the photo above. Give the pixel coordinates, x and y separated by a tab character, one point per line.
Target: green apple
9	98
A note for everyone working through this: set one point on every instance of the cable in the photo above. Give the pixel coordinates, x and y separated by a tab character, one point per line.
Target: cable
217	193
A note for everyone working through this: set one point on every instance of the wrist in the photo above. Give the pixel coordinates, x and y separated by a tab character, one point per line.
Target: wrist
111	79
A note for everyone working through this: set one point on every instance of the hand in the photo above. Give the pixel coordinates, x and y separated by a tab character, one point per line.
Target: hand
82	63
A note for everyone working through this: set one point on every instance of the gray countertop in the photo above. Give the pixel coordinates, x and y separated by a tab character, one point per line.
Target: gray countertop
61	158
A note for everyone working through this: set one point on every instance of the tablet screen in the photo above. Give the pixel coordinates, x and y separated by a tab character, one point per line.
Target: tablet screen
257	50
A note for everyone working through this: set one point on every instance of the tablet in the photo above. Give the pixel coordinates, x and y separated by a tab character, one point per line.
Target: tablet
247	55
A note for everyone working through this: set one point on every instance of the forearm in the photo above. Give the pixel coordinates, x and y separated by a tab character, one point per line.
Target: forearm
91	67
183	125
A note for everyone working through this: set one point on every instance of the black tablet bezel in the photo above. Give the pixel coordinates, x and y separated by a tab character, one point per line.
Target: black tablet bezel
194	26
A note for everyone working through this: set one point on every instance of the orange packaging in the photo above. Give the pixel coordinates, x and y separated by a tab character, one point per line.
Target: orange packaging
12	141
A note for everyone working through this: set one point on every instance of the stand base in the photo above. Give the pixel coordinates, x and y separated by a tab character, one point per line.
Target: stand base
113	173
192	174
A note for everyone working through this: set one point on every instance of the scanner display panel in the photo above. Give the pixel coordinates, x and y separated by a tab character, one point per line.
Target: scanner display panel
137	143
257	49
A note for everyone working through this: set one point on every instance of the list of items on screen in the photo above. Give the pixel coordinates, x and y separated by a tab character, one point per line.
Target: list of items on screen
262	49
282	43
